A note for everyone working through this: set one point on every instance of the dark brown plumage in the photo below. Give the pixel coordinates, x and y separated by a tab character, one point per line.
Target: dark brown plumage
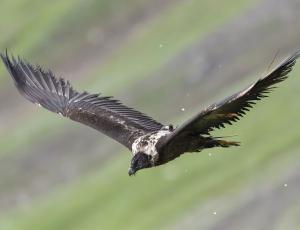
232	108
105	114
151	143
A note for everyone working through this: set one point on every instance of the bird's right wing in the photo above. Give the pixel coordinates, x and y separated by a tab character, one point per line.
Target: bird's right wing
232	108
105	114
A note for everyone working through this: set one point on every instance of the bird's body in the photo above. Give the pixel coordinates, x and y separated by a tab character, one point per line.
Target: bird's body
151	143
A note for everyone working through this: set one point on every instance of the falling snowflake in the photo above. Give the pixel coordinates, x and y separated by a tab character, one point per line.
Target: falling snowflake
182	109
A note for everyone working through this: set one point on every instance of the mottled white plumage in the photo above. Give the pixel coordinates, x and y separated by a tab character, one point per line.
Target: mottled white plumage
147	143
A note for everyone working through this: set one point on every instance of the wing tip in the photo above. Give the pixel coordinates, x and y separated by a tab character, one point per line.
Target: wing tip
291	60
5	58
12	66
296	55
8	63
5	54
35	84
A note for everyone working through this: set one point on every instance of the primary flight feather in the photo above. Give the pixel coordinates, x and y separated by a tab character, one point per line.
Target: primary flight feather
151	143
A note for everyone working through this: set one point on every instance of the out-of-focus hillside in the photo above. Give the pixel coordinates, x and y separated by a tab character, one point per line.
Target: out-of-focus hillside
158	56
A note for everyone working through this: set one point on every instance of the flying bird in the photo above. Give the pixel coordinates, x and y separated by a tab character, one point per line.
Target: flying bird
151	142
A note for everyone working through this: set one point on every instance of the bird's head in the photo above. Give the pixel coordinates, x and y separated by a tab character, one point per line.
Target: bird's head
139	161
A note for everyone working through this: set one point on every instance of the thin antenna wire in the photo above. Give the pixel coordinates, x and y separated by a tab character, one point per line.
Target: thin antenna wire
272	62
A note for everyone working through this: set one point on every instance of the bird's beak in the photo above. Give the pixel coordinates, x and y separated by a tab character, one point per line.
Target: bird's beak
131	172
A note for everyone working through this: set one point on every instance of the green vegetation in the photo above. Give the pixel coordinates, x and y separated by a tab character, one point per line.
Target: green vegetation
107	198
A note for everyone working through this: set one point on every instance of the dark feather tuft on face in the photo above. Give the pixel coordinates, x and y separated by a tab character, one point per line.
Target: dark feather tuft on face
139	161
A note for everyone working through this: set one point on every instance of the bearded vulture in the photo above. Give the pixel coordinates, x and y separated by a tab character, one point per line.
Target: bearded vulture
151	143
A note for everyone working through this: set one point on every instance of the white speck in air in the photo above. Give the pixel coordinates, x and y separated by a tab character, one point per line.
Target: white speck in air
182	109
215	213
161	45
209	154
285	185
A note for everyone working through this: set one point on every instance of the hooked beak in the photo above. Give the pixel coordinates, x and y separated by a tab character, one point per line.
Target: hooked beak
131	172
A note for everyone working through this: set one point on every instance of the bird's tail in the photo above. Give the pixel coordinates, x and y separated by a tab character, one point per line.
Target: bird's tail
225	144
216	142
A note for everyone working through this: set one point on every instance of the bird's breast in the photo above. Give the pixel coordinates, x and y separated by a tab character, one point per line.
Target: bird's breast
147	143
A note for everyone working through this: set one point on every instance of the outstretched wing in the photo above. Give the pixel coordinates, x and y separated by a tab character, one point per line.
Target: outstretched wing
234	107
105	114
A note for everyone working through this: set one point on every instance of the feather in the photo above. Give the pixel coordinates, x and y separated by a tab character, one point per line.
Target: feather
234	107
105	114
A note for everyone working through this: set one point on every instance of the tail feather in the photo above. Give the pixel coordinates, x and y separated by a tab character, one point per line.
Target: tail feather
225	144
220	143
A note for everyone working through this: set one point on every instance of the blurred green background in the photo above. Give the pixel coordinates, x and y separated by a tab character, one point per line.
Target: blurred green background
158	56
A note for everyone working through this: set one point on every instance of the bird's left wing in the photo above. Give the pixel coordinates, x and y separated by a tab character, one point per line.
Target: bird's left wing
105	114
232	108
